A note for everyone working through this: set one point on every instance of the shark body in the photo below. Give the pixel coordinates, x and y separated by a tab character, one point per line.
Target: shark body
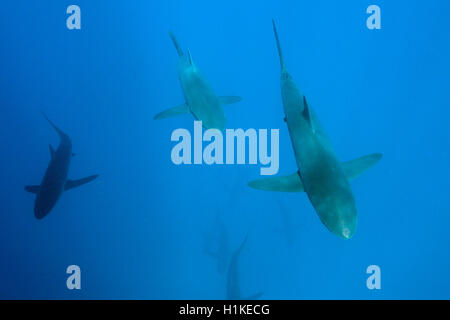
217	245
233	277
320	173
200	98
55	180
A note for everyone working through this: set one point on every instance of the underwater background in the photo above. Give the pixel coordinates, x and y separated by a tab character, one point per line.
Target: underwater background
142	229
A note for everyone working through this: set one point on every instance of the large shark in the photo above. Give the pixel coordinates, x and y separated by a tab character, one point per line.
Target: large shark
200	99
55	180
233	280
320	174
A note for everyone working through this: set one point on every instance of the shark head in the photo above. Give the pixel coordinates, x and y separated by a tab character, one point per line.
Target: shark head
346	228
340	218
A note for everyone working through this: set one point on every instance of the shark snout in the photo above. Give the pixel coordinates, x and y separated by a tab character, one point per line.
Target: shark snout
42	208
39	213
341	221
346	227
347	233
343	229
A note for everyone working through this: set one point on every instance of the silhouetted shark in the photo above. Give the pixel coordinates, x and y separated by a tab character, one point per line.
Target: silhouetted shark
320	174
55	179
200	99
234	281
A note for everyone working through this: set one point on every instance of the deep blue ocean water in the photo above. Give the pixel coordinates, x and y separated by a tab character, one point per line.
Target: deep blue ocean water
139	230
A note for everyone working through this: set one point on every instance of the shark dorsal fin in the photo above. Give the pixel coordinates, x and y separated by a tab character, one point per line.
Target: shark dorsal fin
52	151
190	58
307	114
280	53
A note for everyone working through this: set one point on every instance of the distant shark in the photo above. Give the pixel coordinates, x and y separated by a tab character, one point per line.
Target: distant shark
218	246
55	179
289	227
200	99
320	174
233	280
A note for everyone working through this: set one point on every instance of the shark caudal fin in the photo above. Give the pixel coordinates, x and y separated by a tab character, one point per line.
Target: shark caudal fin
280	53
70	184
172	112
176	44
355	168
59	131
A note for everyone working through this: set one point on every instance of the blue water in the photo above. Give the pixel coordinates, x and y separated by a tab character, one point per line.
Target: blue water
139	230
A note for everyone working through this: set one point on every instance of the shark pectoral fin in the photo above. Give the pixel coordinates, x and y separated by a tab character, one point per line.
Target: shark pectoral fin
290	183
355	168
172	112
229	99
256	296
70	184
32	189
52	151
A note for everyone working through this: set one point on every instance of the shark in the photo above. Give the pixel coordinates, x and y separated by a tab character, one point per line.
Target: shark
55	180
217	245
319	172
200	98
233	277
289	227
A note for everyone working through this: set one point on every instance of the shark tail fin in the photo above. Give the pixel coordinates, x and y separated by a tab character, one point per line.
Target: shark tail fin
70	184
280	53
176	44
58	130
